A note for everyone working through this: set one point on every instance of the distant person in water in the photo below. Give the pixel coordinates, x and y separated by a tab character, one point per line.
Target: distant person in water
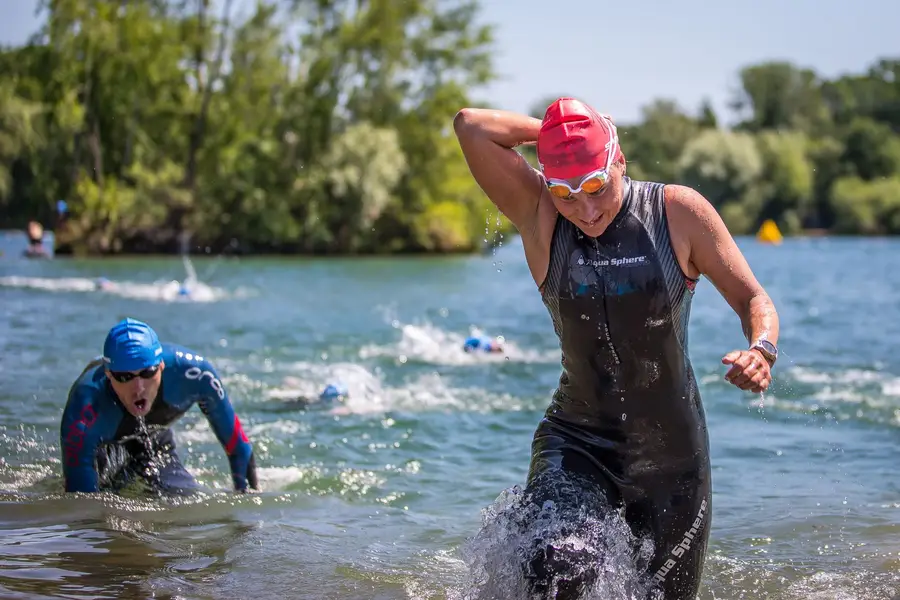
116	423
36	249
332	394
102	284
483	343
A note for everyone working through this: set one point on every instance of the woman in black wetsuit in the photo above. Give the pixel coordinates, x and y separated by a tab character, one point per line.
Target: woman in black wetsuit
616	262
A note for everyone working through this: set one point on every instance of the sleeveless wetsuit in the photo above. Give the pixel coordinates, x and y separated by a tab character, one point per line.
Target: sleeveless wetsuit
103	446
627	414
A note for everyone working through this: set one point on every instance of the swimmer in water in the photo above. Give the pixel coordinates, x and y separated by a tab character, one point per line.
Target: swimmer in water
36	249
482	343
116	425
182	288
102	284
333	394
616	262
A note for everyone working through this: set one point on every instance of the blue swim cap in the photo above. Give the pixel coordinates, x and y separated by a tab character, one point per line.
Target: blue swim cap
131	345
333	391
478	343
471	343
183	291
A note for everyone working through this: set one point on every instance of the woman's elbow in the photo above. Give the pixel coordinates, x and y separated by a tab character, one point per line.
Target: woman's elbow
466	120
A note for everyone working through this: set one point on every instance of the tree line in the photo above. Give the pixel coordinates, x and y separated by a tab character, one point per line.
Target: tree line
324	126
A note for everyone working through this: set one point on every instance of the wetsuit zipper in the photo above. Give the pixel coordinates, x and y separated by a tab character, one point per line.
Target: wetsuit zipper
609	342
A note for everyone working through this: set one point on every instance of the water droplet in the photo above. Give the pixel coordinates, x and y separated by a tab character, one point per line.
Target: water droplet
624	416
584	317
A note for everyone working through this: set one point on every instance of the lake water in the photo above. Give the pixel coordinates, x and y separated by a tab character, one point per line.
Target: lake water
382	499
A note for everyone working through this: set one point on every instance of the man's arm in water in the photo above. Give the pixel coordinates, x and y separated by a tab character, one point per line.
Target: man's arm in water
714	253
487	138
216	406
82	429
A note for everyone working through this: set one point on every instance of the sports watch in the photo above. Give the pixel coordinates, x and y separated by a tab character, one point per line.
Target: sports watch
767	349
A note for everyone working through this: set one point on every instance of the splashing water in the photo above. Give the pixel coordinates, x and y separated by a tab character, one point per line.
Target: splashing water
557	539
428	343
496	240
151	466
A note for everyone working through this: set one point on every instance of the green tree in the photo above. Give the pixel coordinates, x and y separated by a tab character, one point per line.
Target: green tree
653	147
726	167
786	180
778	95
871	149
868	207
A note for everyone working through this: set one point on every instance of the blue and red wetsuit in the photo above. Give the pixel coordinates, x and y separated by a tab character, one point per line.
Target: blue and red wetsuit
104	446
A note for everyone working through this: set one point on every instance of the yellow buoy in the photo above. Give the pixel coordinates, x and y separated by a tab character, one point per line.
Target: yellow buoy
769	233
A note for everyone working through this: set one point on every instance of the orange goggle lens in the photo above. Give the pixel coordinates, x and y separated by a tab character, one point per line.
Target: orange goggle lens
590	184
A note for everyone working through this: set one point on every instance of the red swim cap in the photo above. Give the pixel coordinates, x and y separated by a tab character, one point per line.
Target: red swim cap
574	140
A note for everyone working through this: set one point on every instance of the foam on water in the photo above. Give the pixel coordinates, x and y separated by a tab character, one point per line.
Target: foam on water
159	291
868	395
368	393
428	343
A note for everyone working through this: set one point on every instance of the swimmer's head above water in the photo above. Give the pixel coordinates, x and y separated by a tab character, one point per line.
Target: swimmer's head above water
132	355
334	392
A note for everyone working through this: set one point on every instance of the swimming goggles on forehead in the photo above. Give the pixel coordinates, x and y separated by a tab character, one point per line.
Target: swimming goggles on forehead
594	181
126	376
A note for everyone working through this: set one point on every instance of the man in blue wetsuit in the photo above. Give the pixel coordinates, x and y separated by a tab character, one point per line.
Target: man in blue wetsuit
116	424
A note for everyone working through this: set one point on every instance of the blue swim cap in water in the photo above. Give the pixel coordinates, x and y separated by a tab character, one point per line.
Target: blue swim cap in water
131	345
183	291
333	391
483	343
472	343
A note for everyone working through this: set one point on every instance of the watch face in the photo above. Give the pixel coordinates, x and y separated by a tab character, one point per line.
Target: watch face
769	348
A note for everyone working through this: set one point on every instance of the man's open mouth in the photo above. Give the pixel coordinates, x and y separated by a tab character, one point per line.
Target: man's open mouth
140	404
